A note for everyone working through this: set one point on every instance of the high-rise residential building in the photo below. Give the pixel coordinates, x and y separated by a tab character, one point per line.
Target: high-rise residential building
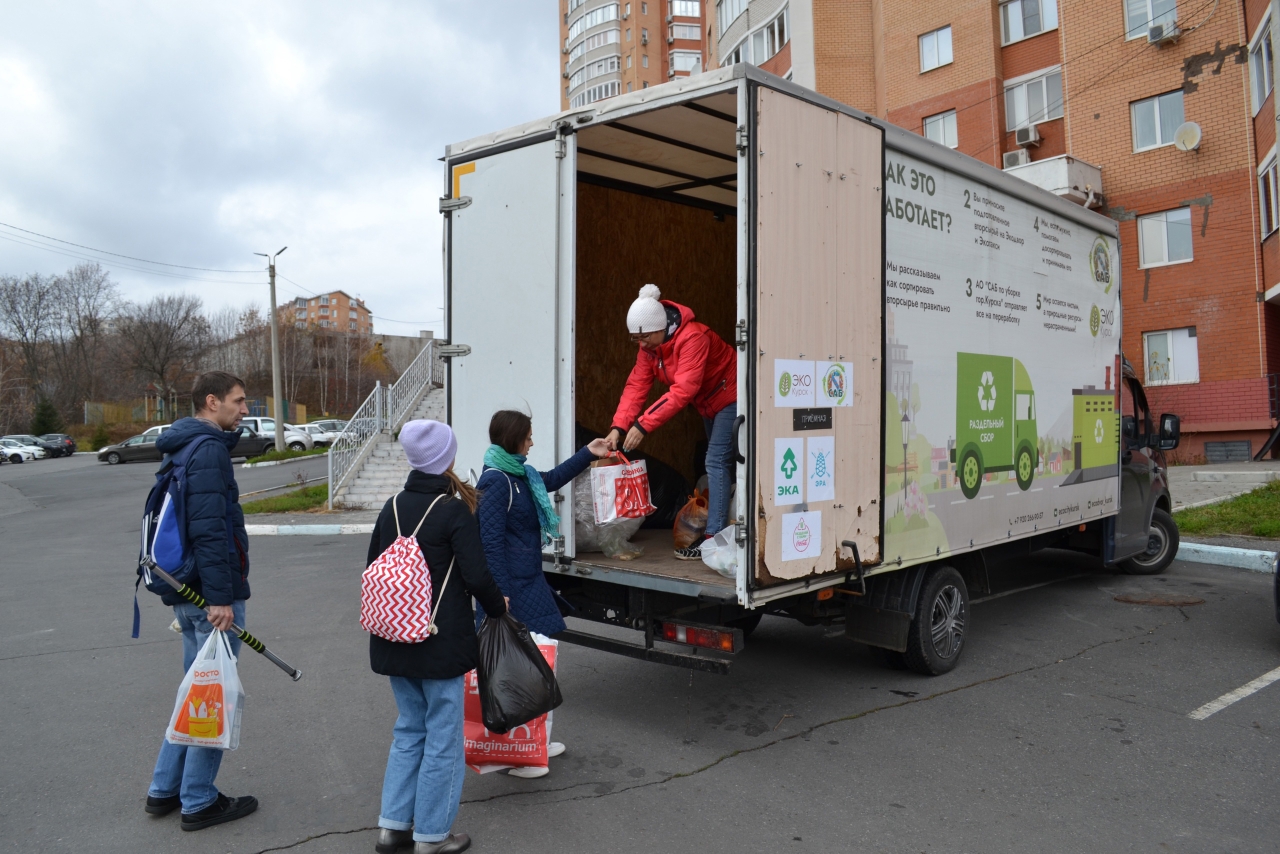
336	311
1158	113
610	47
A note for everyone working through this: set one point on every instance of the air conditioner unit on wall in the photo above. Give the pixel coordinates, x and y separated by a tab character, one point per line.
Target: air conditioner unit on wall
1017	157
644	40
1161	34
1027	136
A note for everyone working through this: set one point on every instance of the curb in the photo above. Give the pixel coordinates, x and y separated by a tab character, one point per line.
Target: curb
314	530
1221	498
1253	560
282	462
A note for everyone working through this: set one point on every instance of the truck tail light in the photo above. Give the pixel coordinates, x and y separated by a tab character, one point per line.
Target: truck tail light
707	637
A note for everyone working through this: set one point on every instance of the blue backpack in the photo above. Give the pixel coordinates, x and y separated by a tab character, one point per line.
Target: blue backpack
164	528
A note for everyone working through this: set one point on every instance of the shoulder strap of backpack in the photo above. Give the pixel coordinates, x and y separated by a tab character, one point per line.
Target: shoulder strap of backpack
424	518
395	511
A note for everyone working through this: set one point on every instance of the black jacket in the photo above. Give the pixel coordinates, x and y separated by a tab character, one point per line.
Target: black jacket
449	532
215	522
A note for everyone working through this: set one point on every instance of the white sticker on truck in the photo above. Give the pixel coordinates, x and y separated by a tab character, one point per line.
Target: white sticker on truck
793	383
788	472
801	535
820	463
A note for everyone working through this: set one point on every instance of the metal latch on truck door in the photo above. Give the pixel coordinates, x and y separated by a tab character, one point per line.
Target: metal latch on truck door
447	204
740	334
453	351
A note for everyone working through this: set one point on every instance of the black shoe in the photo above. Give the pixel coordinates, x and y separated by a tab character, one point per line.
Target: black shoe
391	841
453	844
690	553
222	810
162	806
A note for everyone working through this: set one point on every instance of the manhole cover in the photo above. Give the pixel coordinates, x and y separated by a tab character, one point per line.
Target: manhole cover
1157	599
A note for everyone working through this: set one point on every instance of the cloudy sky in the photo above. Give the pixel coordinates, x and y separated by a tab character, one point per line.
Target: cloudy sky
196	133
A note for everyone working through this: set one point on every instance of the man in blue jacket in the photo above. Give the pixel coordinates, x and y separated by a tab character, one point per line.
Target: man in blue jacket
215	531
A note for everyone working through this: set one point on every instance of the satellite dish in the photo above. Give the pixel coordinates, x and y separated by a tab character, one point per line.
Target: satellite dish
1187	137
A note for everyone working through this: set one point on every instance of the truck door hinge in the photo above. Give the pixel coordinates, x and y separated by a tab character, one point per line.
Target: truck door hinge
447	204
557	550
741	523
740	334
560	148
742	141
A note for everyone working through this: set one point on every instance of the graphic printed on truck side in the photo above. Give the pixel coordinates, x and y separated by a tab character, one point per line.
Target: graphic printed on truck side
1001	333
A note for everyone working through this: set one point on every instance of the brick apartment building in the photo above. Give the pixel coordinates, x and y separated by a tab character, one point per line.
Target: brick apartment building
337	311
1082	98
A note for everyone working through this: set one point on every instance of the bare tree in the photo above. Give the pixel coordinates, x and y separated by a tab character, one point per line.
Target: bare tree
164	337
87	302
28	307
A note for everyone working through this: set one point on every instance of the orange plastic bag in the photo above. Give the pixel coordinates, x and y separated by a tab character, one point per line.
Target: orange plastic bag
691	521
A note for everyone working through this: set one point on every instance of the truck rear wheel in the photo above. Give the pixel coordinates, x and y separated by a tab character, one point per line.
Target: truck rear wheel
970	474
1025	468
1162	547
936	637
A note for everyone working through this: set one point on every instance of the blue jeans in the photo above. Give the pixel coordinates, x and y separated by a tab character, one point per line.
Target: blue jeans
182	770
720	464
423	784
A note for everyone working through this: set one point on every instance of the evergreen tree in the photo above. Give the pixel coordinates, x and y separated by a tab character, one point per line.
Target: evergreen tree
100	438
46	418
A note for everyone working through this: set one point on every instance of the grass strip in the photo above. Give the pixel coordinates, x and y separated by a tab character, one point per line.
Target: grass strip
1255	514
274	455
307	498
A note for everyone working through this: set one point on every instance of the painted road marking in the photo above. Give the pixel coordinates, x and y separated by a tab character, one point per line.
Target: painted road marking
961	501
986	497
1040	489
1012	493
1236	696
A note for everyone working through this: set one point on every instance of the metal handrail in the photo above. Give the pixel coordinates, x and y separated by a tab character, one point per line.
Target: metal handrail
383	411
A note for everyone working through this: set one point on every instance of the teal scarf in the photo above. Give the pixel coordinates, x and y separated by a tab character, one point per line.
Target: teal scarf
497	458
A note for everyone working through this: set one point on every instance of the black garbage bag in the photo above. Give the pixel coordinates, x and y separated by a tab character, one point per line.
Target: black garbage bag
516	683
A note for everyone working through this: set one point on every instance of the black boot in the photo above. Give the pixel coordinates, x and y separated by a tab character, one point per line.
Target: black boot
390	841
162	806
222	810
453	844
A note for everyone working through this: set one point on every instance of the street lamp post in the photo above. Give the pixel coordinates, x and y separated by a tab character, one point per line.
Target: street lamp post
906	437
277	387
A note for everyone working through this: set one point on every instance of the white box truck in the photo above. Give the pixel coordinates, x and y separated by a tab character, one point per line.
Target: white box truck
929	367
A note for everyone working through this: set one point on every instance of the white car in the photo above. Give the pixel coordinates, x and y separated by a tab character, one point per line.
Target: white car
294	439
318	434
16	452
153	433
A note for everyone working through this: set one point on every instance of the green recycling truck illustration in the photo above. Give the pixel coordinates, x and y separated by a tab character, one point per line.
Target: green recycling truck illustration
995	421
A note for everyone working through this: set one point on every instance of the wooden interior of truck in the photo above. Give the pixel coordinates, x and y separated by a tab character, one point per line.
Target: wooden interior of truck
656	203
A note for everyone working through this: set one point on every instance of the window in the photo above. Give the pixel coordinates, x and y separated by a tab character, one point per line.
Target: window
1141	15
324	311
1032	101
626	10
644	35
1269	195
574	4
592	70
760	46
1020	19
686	60
935	49
1260	64
592	42
628	34
628	87
324	300
354	314
594	93
1173	356
644	61
686	31
324	324
1155	120
353	324
644	8
1165	238
727	11
593	18
942	128
686	8
628	61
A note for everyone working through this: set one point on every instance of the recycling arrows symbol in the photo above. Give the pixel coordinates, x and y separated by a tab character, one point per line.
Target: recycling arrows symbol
987	392
1098	432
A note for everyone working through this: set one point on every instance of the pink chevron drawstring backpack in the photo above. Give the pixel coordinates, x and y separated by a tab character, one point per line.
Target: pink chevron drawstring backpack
395	591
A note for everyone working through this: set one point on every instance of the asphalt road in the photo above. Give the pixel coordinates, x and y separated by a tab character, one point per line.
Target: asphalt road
1065	728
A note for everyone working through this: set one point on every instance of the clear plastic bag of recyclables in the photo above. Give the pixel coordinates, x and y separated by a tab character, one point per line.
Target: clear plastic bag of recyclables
210	699
516	682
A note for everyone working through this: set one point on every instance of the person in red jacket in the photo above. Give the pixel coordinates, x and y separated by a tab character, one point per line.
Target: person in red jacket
698	368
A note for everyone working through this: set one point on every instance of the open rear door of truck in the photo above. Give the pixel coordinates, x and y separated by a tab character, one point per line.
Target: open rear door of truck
818	341
509	292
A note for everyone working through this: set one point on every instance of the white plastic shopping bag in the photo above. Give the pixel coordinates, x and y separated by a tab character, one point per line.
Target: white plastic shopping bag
721	552
620	489
210	699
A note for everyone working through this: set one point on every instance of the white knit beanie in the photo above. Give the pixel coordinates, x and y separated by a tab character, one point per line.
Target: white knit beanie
646	313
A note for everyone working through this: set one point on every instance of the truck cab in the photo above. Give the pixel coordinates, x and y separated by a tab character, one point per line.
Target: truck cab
1145	540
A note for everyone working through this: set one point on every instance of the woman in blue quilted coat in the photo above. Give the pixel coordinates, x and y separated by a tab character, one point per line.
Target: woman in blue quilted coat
516	519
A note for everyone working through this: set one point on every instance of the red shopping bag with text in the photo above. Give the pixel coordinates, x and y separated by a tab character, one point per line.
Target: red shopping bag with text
620	489
524	746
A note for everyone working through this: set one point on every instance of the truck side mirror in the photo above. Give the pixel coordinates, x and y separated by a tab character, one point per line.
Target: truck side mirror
1170	432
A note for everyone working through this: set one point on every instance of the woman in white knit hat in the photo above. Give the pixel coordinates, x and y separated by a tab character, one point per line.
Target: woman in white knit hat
699	369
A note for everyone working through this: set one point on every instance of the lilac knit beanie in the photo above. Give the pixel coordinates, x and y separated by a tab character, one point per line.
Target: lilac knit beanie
429	446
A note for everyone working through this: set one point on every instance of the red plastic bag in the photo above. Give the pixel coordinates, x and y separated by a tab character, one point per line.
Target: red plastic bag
691	521
620	490
524	746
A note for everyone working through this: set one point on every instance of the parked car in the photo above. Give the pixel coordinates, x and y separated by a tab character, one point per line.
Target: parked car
132	449
51	449
16	451
68	443
330	425
143	447
318	434
294	439
154	432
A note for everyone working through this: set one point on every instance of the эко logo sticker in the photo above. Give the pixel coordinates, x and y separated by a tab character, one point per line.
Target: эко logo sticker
784	384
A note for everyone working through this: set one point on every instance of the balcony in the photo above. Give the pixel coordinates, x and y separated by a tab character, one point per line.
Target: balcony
1064	175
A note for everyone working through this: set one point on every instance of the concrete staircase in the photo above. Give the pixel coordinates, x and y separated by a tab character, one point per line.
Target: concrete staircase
382	473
